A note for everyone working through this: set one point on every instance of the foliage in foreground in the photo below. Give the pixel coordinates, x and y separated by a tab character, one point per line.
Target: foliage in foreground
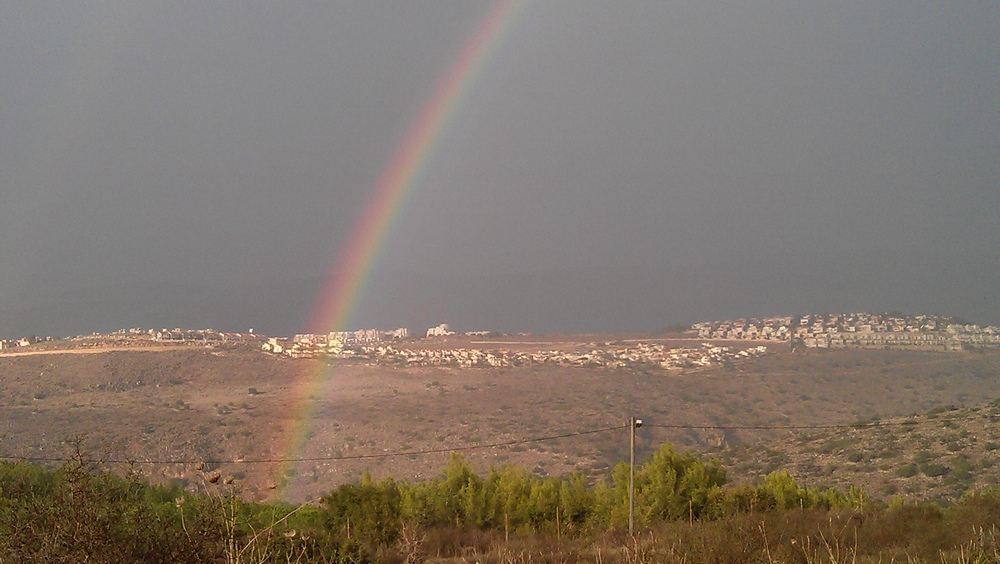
684	510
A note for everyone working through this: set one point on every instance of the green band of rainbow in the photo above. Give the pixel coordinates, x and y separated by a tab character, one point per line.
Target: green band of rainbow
347	277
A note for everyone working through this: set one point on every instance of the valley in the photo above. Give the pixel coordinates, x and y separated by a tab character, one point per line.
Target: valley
239	410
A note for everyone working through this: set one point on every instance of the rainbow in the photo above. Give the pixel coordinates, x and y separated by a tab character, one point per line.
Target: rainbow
347	277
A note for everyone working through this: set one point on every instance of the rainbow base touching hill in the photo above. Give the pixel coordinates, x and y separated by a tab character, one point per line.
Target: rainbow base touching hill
349	274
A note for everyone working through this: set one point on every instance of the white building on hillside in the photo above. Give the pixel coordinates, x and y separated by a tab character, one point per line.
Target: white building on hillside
440	331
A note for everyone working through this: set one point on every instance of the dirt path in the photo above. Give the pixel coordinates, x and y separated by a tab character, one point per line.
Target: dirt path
98	350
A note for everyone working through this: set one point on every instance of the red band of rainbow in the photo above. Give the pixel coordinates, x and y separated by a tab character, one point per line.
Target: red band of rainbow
347	277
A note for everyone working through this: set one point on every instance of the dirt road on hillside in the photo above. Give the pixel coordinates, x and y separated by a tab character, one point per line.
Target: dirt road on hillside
97	350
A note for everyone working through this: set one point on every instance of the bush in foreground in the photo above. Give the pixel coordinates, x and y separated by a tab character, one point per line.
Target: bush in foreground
686	513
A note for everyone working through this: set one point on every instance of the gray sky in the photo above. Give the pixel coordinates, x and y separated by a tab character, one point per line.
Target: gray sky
615	166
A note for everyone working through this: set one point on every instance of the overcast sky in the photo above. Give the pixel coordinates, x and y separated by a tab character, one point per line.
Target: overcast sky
614	167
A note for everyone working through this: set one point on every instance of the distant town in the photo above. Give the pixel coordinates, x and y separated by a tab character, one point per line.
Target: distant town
607	354
861	330
718	342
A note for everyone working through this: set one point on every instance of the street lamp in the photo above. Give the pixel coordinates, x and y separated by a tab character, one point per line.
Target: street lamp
633	424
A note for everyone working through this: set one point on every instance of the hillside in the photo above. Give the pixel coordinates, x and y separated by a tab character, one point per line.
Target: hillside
937	456
168	409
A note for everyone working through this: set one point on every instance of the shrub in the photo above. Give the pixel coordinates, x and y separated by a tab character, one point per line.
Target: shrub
77	514
934	470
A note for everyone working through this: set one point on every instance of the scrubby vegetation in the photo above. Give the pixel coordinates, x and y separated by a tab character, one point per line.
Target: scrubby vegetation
939	455
196	403
685	512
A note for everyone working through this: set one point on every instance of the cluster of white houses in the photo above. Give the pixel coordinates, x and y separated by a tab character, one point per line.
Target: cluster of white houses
22	342
137	337
862	330
207	336
179	336
307	345
341	343
635	355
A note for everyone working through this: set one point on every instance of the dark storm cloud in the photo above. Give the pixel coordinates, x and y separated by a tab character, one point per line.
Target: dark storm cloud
613	167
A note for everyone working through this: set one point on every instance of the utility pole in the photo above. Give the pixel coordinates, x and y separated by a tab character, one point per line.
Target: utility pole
633	424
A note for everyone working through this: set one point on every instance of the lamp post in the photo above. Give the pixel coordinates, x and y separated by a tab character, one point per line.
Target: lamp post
633	424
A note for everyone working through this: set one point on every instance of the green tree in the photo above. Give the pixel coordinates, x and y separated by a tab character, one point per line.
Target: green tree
576	500
369	511
458	497
509	495
673	485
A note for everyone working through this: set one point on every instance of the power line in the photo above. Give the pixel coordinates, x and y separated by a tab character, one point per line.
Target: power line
327	458
466	448
869	425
